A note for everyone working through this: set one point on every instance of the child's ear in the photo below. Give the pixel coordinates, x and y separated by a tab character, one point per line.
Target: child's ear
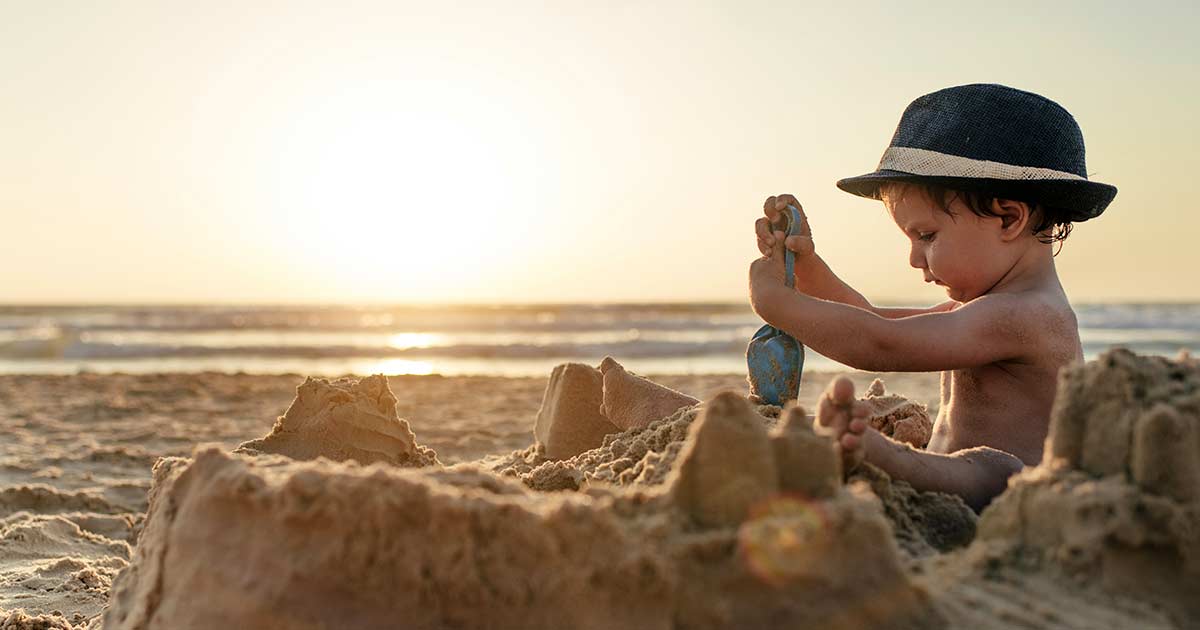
1014	217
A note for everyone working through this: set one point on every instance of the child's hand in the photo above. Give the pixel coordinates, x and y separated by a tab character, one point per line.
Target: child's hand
767	276
773	208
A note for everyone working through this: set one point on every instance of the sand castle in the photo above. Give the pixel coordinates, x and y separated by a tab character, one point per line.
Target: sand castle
1116	500
632	402
923	522
345	419
569	421
727	465
320	544
738	517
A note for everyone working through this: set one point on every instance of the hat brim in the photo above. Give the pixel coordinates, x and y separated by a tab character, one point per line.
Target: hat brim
1083	199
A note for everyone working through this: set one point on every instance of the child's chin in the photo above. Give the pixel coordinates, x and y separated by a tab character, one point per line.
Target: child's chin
957	295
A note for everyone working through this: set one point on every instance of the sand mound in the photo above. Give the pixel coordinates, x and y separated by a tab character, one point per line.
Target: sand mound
324	545
923	522
52	557
1116	500
631	401
569	421
727	465
806	463
583	404
47	500
642	456
344	419
897	417
18	620
990	595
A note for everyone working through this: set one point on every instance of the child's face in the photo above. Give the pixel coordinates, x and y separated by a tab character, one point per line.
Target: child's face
962	253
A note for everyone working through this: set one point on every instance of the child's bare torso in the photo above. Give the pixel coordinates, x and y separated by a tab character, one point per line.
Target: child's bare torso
1006	405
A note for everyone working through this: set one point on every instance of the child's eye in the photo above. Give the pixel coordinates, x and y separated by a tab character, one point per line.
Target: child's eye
925	236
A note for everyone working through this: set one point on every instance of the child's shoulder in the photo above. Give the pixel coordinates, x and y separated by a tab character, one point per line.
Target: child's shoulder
1031	305
1033	301
1037	318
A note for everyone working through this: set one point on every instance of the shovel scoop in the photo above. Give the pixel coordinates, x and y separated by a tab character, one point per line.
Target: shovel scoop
774	358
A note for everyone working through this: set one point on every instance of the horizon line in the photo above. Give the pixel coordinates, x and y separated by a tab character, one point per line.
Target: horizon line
493	304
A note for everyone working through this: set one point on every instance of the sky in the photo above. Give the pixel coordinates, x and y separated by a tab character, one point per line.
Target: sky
161	151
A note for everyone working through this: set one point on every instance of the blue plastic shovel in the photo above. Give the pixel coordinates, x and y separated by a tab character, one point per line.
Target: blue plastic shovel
774	358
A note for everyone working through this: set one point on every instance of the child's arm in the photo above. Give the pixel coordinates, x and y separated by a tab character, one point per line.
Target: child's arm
814	277
986	330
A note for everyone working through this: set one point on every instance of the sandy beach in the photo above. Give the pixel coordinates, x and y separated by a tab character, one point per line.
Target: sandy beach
192	500
75	462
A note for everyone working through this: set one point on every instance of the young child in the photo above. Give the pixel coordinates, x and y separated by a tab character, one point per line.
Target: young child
982	179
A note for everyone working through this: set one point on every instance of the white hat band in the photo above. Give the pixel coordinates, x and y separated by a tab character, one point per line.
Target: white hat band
934	164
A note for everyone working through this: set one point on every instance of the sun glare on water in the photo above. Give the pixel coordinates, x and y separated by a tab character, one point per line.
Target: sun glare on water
416	340
393	367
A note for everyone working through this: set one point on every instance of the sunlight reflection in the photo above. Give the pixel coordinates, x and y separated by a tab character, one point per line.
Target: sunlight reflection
416	340
783	537
394	367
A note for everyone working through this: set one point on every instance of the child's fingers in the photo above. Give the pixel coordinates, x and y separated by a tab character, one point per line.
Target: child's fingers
769	209
762	229
849	441
857	426
785	200
769	245
802	245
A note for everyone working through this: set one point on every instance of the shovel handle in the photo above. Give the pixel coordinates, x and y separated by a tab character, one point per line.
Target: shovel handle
789	223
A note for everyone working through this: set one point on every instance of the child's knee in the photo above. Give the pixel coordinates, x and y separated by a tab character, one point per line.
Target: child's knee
992	463
992	468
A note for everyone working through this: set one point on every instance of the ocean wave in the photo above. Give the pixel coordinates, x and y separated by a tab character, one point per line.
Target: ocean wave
42	342
68	344
515	318
632	348
1139	316
486	338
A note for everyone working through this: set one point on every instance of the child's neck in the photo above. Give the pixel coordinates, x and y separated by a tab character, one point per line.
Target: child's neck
1032	268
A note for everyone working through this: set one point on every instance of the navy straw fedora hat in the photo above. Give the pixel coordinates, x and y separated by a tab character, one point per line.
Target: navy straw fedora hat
991	139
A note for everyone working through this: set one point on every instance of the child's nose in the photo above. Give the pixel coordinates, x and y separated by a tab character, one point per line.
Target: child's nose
916	257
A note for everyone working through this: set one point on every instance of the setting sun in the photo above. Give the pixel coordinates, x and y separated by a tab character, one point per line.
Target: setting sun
412	197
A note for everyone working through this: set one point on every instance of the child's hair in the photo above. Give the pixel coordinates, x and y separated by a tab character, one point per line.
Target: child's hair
1050	224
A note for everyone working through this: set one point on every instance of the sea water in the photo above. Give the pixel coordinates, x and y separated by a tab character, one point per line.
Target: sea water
506	340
